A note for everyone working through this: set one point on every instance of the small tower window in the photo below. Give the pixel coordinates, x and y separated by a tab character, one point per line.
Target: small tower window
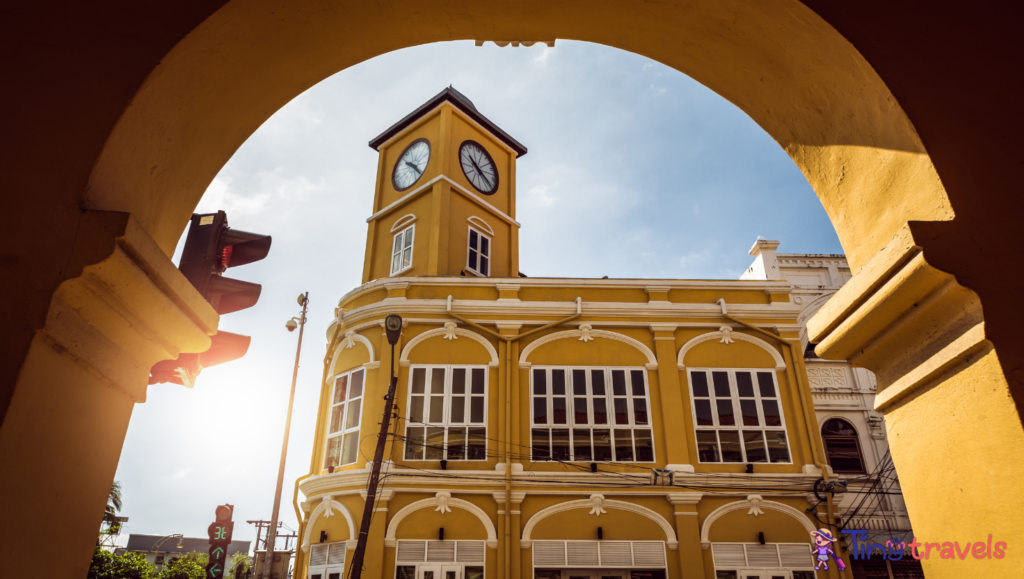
842	447
401	253
479	255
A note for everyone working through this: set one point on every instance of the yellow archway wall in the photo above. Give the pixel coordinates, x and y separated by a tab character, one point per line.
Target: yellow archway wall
783	65
777	60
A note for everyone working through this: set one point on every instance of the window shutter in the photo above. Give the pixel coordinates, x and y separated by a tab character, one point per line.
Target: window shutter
762	556
549	554
336	556
440	551
582	553
318	555
470	552
616	554
728	556
412	551
648	553
796	555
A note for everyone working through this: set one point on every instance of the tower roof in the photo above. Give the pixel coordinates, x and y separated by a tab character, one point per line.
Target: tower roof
458	100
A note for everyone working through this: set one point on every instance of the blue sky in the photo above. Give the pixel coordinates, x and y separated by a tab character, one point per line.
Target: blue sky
634	170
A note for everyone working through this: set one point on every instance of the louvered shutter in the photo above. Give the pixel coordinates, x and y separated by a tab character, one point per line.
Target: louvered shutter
318	555
469	552
648	554
762	556
616	554
440	551
796	555
581	554
549	553
728	556
336	556
412	551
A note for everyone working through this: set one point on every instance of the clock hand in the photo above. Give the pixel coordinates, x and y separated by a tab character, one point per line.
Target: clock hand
481	173
414	167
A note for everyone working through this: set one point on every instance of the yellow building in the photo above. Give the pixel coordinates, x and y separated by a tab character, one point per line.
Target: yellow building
550	428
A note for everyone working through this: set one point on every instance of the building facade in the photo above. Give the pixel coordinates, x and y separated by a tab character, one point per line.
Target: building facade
545	427
852	431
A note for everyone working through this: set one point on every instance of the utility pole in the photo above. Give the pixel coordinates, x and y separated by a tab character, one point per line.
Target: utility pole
272	531
393	329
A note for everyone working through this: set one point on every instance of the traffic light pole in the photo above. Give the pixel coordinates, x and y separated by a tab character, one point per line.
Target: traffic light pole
272	531
378	456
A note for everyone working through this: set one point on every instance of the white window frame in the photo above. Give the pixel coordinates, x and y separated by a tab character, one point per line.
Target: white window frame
331	565
347	403
739	427
398	248
446	423
480	254
609	398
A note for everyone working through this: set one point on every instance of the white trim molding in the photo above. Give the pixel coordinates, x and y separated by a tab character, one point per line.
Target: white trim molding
389	537
403	222
452	333
753	504
480	224
670	535
585	334
727	336
350	340
322	508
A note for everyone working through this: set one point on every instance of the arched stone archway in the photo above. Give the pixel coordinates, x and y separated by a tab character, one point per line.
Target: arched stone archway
154	112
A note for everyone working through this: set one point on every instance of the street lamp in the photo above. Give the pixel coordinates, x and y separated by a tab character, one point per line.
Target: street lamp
181	539
299	322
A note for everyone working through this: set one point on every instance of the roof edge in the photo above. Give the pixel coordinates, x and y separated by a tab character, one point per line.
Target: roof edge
459	101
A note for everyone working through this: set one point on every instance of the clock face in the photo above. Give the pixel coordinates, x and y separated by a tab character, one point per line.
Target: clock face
478	167
411	164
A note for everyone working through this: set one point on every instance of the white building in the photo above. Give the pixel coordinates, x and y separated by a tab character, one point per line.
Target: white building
852	431
161	550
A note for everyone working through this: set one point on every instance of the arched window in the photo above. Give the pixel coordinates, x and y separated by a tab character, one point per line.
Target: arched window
842	446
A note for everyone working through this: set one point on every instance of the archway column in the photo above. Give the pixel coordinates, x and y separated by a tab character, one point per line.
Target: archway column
123	308
691	559
954	430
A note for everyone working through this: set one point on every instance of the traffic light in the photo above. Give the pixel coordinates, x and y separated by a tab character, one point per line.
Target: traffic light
220	537
210	249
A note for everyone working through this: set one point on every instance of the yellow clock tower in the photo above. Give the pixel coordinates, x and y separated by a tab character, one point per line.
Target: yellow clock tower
445	200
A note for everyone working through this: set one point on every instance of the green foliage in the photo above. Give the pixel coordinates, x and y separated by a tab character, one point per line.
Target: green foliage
106	565
242	565
188	566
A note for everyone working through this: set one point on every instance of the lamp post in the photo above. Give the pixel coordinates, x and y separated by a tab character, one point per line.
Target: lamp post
272	531
156	545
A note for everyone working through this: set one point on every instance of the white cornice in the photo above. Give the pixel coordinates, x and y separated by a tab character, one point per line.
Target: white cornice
741	483
777	287
426	187
593	310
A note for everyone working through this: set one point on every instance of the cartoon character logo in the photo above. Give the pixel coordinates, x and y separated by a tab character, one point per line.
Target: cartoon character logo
895	547
822	540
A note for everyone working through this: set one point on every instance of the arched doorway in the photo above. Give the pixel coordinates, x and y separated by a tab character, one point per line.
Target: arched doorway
779	61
